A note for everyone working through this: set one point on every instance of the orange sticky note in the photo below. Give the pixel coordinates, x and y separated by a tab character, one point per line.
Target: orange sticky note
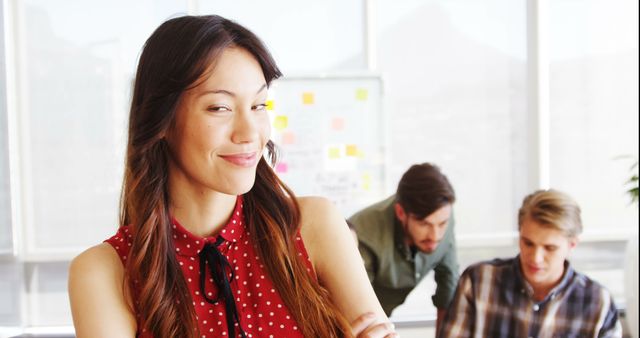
282	168
334	152
308	98
352	150
337	123
288	138
362	94
280	122
269	104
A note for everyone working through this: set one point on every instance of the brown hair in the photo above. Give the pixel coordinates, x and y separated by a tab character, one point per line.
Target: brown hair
174	57
552	209
424	189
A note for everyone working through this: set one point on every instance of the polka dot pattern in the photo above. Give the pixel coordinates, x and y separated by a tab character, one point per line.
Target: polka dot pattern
260	307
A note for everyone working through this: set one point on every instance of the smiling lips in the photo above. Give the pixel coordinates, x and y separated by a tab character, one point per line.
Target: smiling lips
241	160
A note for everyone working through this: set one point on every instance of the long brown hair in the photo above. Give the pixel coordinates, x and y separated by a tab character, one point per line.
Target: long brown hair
173	59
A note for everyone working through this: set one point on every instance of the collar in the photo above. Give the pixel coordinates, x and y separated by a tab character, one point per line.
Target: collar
567	277
188	244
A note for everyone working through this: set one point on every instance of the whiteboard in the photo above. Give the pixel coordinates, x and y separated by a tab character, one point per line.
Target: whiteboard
329	132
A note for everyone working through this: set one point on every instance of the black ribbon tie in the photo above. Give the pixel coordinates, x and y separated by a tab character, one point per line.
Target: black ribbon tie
219	265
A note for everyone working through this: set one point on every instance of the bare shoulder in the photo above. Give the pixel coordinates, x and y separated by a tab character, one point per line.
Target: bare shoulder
318	213
99	302
311	204
320	220
97	269
99	261
322	227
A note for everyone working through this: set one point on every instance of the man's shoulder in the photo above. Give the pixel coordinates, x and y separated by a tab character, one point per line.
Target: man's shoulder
379	214
586	285
376	221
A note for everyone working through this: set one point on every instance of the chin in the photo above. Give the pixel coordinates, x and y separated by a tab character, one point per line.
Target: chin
245	189
239	186
536	279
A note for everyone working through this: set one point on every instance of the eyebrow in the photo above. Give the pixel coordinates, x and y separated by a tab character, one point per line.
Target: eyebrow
525	239
429	223
542	244
229	93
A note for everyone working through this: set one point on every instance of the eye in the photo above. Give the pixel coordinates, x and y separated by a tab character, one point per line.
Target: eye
551	248
261	106
217	109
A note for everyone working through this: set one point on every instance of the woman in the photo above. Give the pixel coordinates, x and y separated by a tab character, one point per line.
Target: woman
211	242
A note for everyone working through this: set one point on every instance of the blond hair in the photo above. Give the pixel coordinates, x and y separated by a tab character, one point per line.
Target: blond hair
553	209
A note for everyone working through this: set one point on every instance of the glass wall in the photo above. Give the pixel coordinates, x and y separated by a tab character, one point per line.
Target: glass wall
455	75
594	107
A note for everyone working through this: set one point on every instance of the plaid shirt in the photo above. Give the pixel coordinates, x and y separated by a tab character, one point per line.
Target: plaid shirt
494	300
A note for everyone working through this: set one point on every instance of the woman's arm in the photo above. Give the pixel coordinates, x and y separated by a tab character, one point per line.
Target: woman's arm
339	267
96	291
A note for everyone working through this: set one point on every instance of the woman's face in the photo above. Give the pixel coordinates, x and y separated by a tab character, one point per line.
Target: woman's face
221	127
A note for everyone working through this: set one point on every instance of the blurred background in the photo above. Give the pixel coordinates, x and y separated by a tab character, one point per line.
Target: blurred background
506	96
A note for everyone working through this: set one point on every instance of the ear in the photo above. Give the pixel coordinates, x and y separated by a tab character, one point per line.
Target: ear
573	242
400	214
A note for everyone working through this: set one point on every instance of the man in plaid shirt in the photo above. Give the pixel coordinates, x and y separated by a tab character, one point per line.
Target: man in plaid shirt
537	293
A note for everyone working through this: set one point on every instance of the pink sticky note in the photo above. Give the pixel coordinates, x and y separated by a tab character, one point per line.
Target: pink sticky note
282	167
288	138
337	123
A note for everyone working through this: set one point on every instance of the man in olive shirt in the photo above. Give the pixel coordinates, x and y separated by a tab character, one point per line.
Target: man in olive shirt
407	235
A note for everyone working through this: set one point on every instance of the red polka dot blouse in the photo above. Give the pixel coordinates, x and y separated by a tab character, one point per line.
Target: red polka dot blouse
260	310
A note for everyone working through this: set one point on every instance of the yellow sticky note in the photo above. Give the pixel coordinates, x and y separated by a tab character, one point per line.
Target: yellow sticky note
362	94
334	152
352	150
288	138
269	104
337	123
280	122
366	181
308	98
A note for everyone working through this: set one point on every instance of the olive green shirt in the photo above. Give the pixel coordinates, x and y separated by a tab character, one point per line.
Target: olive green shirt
392	267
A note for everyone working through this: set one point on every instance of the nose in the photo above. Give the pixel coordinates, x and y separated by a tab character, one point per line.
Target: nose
435	233
245	127
538	255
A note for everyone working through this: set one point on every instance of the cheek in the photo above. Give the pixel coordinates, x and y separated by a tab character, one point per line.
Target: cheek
412	230
557	258
266	129
207	137
263	123
266	132
525	252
